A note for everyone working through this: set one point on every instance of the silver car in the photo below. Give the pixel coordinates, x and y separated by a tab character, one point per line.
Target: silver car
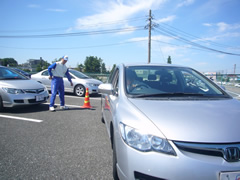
170	122
80	82
17	90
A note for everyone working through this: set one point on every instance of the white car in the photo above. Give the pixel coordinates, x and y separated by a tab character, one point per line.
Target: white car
18	90
80	82
237	85
170	122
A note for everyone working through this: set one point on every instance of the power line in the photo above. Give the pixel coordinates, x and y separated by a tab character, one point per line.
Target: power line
107	31
82	47
179	38
188	35
107	23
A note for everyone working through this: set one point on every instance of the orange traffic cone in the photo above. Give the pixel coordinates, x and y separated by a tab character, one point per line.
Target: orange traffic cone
107	105
86	104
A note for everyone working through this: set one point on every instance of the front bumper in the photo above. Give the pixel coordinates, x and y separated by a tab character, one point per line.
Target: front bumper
93	89
133	164
12	100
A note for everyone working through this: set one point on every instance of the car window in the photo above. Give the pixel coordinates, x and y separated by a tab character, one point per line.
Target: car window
9	74
115	80
167	80
78	74
45	73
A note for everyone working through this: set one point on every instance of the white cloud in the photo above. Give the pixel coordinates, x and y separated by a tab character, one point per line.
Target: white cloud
56	10
207	24
222	26
114	12
34	6
185	3
167	19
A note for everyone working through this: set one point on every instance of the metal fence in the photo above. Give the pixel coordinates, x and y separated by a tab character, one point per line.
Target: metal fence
101	77
225	79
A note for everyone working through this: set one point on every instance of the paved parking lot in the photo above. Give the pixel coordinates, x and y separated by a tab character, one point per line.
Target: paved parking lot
71	144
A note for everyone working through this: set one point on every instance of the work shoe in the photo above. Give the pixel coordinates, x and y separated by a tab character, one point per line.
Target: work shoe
64	107
51	109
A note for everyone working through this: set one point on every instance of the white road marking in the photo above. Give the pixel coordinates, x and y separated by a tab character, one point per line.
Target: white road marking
21	118
234	93
78	97
66	105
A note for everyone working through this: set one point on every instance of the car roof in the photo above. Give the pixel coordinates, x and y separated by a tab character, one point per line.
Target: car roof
153	64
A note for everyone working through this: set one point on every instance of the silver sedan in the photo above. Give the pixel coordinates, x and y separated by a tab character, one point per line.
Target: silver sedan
17	90
170	122
80	82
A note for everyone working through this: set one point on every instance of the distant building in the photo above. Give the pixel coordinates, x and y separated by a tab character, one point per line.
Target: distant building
32	64
211	75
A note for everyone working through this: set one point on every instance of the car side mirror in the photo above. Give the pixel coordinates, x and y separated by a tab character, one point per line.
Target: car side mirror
105	89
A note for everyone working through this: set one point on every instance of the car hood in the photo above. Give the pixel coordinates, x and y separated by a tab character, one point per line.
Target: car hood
94	81
21	84
210	121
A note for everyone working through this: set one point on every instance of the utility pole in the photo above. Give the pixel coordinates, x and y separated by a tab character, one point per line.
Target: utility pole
149	35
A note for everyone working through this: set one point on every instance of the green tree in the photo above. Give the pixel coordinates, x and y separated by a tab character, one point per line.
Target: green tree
103	67
45	65
80	67
92	64
114	66
169	61
39	68
8	62
56	60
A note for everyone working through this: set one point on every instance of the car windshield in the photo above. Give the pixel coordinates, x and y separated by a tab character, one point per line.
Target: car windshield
9	74
165	81
78	74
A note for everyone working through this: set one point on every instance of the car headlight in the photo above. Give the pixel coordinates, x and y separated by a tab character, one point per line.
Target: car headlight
91	84
145	142
13	91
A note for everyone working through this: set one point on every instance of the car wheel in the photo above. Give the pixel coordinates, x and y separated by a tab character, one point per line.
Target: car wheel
79	90
115	175
1	104
102	109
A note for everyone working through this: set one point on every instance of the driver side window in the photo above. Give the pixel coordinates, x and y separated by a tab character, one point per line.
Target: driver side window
115	82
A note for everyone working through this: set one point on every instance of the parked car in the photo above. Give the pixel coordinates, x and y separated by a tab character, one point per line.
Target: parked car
18	90
237	85
22	72
80	82
170	122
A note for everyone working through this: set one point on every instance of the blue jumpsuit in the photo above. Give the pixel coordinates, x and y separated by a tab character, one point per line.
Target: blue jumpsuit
57	85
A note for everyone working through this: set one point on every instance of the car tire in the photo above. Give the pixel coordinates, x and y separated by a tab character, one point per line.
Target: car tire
115	175
102	109
1	104
79	90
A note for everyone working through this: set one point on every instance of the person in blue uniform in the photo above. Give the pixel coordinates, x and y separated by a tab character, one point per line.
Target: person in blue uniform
56	73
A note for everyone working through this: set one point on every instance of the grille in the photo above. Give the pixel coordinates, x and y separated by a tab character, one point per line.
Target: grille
19	101
34	100
141	176
34	91
230	152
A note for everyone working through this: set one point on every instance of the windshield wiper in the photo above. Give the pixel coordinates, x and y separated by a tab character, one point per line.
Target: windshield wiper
176	94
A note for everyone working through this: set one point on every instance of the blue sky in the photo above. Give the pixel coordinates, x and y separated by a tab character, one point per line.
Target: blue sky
203	34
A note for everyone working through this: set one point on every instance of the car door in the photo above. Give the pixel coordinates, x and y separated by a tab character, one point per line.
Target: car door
67	84
45	79
110	101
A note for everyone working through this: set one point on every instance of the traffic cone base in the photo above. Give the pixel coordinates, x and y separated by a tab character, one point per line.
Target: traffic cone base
86	104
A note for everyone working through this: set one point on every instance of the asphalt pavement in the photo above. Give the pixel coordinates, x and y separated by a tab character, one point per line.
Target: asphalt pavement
66	144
